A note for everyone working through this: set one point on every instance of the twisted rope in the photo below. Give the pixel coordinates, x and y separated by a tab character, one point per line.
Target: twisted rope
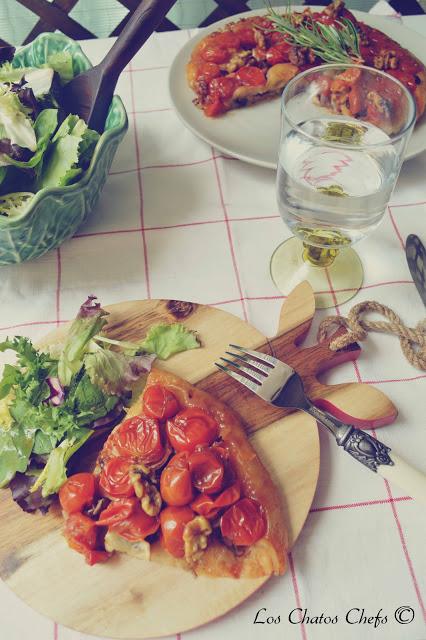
413	341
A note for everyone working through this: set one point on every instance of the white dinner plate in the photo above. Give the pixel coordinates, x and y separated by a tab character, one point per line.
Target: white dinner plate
252	134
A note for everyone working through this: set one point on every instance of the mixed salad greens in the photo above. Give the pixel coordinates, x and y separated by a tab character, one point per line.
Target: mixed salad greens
52	402
40	145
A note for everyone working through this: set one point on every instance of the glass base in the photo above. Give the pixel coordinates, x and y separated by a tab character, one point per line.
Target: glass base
332	285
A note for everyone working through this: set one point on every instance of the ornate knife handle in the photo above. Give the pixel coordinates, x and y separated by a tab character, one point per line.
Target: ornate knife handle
366	449
373	454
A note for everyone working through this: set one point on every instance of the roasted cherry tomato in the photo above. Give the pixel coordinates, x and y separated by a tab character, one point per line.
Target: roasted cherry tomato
214	108
139	438
208	71
77	492
81	534
137	526
251	76
222	87
175	482
244	523
228	39
407	79
190	428
276	38
117	511
246	36
278	53
173	521
209	506
216	54
159	402
114	480
207	471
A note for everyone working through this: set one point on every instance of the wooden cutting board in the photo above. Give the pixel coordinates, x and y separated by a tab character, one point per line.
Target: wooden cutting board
129	598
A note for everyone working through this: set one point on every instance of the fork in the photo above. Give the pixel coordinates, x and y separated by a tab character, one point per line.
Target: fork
280	385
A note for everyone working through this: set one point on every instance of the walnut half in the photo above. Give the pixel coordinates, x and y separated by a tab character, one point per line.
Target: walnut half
145	490
195	538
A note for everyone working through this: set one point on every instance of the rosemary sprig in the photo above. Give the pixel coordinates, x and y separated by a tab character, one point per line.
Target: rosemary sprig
328	42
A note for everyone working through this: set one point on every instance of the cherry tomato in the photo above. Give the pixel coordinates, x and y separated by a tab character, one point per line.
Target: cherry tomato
228	39
190	428
215	108
81	534
407	79
114	480
251	76
80	531
276	38
173	521
77	492
355	100
216	54
222	87
175	482
262	22
208	71
159	402
246	36
139	438
209	507
137	526
117	511
207	471
278	53
244	523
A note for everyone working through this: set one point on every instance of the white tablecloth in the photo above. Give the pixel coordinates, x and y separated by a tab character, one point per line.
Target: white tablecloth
176	220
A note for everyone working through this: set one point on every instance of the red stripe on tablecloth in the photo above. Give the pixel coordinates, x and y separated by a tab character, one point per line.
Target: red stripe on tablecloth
140	188
296	594
394	380
143	111
228	230
170	226
130	70
333	294
370	286
55	631
396	228
405	550
408	204
176	165
58	285
353	505
31	324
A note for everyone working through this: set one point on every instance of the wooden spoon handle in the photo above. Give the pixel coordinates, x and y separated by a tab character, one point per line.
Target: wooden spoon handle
141	25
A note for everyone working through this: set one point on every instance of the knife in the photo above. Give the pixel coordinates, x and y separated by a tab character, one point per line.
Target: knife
416	258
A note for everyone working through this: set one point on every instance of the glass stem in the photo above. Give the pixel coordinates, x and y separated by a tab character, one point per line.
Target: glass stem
318	256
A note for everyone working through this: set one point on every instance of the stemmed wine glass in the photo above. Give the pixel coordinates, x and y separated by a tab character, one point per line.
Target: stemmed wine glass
344	132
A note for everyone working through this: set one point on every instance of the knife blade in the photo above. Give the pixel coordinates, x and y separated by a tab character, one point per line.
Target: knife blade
416	258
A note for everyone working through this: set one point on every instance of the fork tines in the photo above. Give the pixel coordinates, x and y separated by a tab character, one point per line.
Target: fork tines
259	366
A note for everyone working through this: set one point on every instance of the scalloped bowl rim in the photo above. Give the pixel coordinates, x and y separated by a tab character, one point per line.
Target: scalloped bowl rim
105	135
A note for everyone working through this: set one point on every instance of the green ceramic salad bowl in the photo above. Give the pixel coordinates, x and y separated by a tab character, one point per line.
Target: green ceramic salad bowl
54	214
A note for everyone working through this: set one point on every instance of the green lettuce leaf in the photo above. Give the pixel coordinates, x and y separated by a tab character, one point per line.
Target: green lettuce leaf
115	372
89	321
17	126
87	146
87	401
61	165
54	474
167	339
8	73
15	449
44	127
61	62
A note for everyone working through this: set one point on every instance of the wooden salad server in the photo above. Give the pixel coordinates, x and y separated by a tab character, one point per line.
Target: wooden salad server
89	94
